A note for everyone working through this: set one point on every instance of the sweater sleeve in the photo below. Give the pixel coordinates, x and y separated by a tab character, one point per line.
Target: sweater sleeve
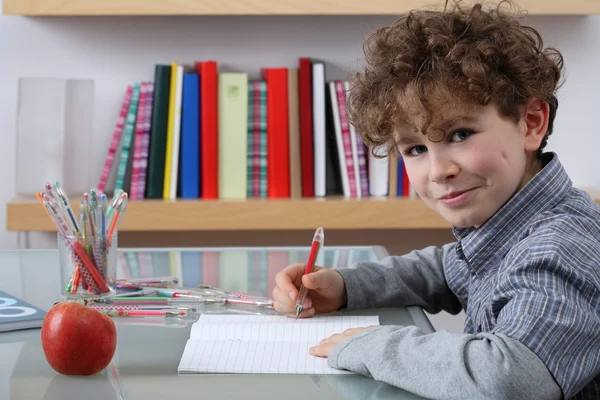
445	365
414	279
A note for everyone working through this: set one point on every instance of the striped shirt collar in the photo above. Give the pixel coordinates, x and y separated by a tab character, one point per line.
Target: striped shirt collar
492	240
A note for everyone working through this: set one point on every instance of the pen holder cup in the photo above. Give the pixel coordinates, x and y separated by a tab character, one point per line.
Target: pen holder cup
88	267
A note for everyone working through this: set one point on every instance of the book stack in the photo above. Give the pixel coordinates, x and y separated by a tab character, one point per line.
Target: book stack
197	133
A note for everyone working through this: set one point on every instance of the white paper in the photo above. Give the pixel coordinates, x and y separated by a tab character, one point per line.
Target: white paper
262	344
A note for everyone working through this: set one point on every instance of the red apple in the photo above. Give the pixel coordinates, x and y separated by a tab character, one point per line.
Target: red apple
78	340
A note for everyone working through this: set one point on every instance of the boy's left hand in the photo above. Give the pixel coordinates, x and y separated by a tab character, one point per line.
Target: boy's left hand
327	345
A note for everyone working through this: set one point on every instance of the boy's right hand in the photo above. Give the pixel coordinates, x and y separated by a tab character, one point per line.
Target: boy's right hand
326	290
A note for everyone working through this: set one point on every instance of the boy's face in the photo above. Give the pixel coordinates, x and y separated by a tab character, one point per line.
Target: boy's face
478	165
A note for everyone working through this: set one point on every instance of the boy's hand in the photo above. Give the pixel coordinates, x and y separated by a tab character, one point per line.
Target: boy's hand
328	344
326	290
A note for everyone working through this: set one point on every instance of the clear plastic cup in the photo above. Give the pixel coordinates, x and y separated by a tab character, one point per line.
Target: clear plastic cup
88	266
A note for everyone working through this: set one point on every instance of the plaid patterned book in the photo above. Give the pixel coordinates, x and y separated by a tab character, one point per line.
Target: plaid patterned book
341	95
252	115
262	142
257	139
362	157
135	192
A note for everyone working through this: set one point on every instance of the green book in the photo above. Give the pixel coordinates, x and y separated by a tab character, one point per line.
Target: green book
158	132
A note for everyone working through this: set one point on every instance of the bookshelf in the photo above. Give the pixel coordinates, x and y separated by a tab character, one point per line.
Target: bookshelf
264	7
24	213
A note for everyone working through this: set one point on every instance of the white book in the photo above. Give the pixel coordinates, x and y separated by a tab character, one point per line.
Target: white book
338	138
378	174
319	130
262	344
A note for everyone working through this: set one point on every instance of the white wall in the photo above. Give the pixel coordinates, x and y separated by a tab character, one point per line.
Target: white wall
116	51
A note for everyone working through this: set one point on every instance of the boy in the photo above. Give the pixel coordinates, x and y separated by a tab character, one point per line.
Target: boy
467	97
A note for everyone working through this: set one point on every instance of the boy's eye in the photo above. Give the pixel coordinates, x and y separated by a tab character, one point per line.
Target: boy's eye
416	150
460	135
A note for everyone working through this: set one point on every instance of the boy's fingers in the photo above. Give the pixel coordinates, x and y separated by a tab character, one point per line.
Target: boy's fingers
284	302
285	280
321	279
322	350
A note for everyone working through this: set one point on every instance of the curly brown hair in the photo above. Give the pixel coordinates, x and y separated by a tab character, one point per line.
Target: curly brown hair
427	61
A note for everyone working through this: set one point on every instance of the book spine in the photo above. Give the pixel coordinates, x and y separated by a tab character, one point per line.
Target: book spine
209	141
261	94
115	139
341	95
251	153
258	104
278	152
127	136
361	156
135	193
146	137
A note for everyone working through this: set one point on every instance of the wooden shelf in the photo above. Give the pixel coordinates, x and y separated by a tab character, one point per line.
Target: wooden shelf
265	7
26	214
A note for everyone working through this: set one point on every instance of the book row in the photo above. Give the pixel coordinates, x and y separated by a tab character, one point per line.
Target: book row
197	133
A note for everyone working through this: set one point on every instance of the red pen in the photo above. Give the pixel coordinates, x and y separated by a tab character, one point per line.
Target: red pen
317	243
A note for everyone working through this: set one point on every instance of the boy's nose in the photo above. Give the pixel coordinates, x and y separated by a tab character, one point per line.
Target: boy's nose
442	169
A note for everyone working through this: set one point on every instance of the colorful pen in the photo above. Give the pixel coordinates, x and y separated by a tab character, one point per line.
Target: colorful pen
143	307
317	243
122	312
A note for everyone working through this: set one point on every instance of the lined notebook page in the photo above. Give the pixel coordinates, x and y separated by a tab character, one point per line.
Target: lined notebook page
262	344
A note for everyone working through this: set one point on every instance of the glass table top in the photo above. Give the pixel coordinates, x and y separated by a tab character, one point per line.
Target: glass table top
28	273
149	350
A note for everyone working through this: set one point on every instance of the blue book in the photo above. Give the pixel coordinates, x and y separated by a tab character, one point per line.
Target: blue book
400	180
190	137
17	314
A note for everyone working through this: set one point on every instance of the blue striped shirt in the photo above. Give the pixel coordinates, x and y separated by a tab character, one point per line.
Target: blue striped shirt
532	272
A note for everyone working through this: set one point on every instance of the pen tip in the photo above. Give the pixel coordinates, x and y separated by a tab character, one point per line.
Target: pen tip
298	310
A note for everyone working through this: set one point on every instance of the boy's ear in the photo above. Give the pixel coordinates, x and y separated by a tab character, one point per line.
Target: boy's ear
535	118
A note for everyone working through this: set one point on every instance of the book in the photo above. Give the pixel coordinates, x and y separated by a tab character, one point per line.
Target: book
190	137
128	134
16	314
158	132
263	344
233	135
278	150
116	138
209	136
306	125
319	126
294	134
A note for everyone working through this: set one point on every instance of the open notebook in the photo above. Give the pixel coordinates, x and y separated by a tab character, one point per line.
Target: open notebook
262	344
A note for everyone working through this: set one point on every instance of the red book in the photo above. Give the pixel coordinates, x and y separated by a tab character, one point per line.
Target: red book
405	183
209	137
278	151
306	127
